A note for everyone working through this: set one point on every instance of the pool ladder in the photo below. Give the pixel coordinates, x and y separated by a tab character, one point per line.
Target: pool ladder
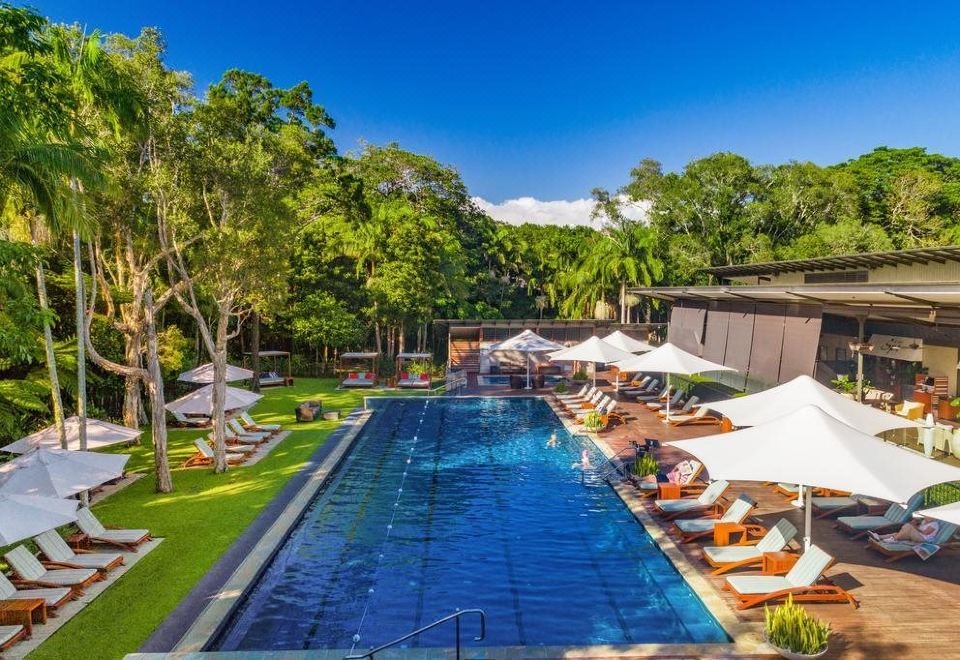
615	466
455	617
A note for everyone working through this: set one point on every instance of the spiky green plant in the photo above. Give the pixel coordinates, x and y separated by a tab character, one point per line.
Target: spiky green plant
792	628
560	388
593	421
646	466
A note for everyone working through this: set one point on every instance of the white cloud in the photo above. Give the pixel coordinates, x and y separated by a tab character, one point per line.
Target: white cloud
557	212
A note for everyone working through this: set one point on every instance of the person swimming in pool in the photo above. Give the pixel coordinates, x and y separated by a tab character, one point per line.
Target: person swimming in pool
584	463
552	442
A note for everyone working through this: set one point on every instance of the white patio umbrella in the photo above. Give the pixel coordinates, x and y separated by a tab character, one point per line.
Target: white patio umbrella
627	343
99	434
24	516
811	447
59	473
593	350
200	401
801	391
204	374
948	513
670	359
526	342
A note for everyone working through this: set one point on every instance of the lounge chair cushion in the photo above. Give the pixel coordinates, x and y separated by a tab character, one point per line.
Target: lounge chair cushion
727	554
710	495
694	525
833	502
758	584
56	549
52	595
93	528
8	633
266	427
27	567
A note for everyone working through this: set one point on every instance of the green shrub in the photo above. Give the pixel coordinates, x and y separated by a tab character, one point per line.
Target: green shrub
646	466
792	628
560	388
593	421
580	374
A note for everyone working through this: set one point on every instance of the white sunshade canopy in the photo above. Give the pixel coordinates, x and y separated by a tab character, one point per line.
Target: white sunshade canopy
670	359
204	374
592	350
810	447
948	513
527	341
802	391
59	473
627	343
200	401
24	516
99	434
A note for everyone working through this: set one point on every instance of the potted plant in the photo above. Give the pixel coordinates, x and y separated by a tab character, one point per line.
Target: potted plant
646	468
593	421
560	388
844	385
579	375
794	633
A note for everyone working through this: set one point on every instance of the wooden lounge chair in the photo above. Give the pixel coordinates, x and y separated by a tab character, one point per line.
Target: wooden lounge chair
599	404
805	582
828	506
689	506
10	635
54	597
647	385
590	403
892	519
897	550
252	425
580	395
674	402
96	532
792	491
691	529
243	436
749	552
205	456
606	406
685	410
659	396
687	473
183	420
59	554
30	572
699	418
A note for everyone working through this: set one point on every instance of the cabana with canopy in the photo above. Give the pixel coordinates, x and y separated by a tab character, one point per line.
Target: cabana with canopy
811	447
777	401
359	378
412	380
276	375
199	403
59	473
669	359
204	374
593	350
526	342
99	434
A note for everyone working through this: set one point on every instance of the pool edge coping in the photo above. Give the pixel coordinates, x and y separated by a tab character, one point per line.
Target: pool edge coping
214	616
747	637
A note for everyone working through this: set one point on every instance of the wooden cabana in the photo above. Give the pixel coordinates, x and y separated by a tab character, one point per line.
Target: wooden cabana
277	374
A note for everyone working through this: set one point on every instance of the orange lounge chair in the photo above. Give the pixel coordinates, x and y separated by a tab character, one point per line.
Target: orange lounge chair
897	550
690	506
686	473
205	455
97	532
749	551
699	418
805	582
691	529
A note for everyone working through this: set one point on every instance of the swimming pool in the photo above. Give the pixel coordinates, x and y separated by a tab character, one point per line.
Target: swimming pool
484	380
458	503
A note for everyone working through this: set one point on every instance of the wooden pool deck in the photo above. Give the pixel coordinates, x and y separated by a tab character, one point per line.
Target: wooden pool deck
907	609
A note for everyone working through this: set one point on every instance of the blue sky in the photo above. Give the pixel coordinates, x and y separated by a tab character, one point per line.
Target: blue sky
549	99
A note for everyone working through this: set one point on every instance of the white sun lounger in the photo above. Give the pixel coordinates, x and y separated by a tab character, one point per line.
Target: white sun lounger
128	539
57	552
29	569
53	596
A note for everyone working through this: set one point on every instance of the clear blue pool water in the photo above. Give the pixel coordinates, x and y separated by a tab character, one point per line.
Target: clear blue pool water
487	380
458	503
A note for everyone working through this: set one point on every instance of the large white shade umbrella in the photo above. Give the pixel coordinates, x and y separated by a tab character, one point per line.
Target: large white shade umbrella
670	359
99	434
948	513
810	447
593	350
200	401
59	473
25	516
204	374
526	342
802	391
627	343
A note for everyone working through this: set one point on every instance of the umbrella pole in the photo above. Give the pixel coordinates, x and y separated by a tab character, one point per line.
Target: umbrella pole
666	420
528	370
808	520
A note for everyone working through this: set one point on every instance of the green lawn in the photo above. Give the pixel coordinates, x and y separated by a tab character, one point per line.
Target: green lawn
199	521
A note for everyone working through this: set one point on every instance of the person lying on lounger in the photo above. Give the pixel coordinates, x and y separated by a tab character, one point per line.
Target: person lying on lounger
917	531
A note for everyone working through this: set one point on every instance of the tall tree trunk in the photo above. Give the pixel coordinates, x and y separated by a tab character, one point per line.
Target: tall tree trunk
220	392
401	338
132	399
81	348
164	479
376	336
55	399
255	351
623	302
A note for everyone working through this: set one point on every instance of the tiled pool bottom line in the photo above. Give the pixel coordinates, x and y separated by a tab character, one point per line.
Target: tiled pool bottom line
206	628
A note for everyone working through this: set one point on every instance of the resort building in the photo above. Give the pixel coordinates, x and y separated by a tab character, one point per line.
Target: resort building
894	316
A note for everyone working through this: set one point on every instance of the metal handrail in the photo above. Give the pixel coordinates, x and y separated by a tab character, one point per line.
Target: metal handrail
455	616
616	467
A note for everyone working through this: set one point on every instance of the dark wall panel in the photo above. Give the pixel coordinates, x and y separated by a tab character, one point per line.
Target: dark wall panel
739	336
801	336
686	327
767	343
715	341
